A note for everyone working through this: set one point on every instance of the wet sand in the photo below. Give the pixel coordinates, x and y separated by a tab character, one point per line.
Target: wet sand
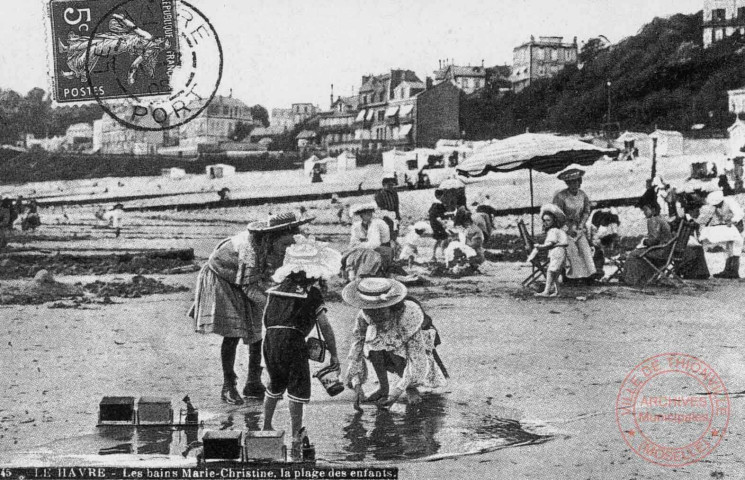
553	365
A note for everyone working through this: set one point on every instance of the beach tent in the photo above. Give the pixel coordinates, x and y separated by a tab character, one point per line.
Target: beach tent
173	172
398	161
346	161
310	163
219	170
736	144
630	140
669	142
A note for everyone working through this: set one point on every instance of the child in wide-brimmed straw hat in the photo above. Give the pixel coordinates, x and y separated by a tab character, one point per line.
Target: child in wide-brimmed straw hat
556	243
293	309
402	341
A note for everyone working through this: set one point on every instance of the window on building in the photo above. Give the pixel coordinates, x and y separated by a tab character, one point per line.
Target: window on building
554	54
381	115
741	13
225	110
539	53
718	34
718	14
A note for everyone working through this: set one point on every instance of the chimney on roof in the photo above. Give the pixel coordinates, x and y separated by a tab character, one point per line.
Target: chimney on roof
231	93
482	63
440	63
332	95
428	83
575	40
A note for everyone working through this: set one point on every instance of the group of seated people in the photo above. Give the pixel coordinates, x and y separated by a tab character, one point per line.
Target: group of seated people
715	219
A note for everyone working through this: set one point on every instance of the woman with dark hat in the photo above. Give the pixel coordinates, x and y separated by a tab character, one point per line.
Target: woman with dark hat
230	295
636	270
576	207
396	336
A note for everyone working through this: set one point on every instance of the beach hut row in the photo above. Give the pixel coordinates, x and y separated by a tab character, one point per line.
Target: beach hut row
343	162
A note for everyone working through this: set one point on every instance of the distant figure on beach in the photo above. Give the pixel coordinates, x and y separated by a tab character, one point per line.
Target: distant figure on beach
115	218
224	194
315	174
388	204
30	218
6	206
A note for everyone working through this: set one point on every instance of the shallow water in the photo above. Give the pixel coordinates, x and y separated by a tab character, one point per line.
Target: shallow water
435	428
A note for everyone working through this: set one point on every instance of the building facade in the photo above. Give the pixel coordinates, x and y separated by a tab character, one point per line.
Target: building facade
112	138
723	18
542	58
468	79
397	110
282	118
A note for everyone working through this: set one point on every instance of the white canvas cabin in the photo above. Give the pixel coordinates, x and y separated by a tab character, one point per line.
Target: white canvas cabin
669	142
345	161
736	142
173	172
219	170
628	141
310	163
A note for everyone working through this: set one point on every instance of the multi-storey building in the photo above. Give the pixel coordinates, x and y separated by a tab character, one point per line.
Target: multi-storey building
112	138
542	58
723	18
282	117
469	79
398	110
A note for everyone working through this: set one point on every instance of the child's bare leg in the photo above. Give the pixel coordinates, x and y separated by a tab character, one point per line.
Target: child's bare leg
551	284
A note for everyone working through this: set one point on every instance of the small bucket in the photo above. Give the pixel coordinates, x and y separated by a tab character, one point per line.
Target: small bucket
329	378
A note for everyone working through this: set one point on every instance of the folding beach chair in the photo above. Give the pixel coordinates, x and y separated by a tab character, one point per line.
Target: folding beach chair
677	248
539	264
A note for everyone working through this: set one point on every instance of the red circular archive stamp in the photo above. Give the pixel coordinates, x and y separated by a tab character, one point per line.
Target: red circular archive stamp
673	409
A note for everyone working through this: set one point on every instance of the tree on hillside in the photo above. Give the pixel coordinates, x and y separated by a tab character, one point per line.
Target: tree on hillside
10	121
242	130
591	49
260	114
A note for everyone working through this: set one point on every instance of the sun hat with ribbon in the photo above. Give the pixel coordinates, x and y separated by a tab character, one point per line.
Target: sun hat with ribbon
363	207
279	222
555	212
572	172
451	184
307	255
715	198
374	292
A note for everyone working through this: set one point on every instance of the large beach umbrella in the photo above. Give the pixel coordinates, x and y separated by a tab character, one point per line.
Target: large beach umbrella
531	151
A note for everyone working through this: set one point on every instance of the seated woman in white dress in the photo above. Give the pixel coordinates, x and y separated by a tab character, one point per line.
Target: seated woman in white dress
370	252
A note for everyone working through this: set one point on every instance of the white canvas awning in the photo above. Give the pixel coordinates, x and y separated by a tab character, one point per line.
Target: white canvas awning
391	112
370	115
405	130
361	116
405	110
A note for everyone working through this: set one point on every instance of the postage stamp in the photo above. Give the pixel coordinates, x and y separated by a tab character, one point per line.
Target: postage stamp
112	49
150	65
673	409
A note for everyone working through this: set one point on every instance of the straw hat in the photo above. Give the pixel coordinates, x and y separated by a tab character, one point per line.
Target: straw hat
715	198
555	212
307	255
451	184
279	222
373	292
572	172
363	207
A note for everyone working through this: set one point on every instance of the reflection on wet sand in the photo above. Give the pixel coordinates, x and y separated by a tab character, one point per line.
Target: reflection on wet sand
394	436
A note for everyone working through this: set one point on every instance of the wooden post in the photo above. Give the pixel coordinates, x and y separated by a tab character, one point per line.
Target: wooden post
654	158
532	213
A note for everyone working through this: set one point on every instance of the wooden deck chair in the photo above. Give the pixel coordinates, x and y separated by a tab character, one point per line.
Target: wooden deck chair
676	247
539	265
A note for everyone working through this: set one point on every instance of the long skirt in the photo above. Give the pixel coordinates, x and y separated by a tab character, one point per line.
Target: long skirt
637	271
223	308
694	264
367	262
579	257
